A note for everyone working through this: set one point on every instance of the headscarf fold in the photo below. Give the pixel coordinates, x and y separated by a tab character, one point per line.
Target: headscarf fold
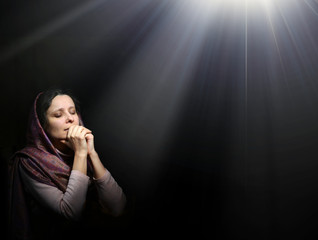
42	162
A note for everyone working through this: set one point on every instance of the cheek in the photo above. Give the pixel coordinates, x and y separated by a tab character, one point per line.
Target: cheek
55	129
76	120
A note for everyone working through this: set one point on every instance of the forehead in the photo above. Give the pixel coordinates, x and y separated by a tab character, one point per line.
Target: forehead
61	101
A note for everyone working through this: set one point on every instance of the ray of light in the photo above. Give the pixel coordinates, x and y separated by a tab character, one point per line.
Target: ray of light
197	48
49	28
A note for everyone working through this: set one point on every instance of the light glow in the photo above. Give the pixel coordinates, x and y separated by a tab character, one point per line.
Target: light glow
206	6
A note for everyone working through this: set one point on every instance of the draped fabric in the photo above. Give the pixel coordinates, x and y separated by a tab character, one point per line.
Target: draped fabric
42	162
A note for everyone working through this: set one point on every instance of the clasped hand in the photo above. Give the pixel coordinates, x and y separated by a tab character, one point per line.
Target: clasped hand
80	139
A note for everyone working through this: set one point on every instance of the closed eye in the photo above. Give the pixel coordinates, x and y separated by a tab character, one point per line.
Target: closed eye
72	110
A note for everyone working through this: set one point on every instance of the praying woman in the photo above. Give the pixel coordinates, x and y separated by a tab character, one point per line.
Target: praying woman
58	178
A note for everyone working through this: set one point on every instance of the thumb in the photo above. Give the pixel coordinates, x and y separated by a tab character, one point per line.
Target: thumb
89	136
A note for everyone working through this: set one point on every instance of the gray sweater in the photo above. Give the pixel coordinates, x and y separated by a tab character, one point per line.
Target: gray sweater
70	204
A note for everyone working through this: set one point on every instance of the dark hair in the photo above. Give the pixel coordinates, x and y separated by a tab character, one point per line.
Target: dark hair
45	100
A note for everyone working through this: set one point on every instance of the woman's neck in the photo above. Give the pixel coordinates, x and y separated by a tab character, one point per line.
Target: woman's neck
63	149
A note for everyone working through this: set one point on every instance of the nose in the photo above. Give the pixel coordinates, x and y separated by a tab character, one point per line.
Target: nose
70	118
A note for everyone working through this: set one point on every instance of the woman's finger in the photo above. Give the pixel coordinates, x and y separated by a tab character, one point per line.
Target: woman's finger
77	131
89	136
84	132
88	130
70	131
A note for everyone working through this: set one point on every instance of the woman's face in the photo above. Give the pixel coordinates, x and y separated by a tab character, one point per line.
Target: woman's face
60	116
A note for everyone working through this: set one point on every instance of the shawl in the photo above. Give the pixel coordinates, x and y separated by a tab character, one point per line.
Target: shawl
42	162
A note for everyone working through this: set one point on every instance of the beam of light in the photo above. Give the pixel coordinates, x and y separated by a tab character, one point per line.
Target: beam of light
49	28
149	94
146	99
206	5
215	44
313	5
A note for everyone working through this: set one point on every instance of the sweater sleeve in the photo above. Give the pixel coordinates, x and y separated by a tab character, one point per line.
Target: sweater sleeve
110	194
68	204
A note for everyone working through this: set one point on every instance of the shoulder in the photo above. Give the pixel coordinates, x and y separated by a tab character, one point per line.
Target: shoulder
24	154
16	159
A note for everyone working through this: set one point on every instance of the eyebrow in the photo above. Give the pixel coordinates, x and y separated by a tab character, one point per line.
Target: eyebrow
61	109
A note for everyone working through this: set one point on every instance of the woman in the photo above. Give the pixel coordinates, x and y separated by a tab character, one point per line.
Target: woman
58	175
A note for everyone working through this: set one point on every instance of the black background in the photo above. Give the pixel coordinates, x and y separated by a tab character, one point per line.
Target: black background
240	161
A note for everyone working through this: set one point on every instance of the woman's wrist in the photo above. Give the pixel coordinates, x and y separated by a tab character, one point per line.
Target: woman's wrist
99	169
80	162
92	154
81	154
